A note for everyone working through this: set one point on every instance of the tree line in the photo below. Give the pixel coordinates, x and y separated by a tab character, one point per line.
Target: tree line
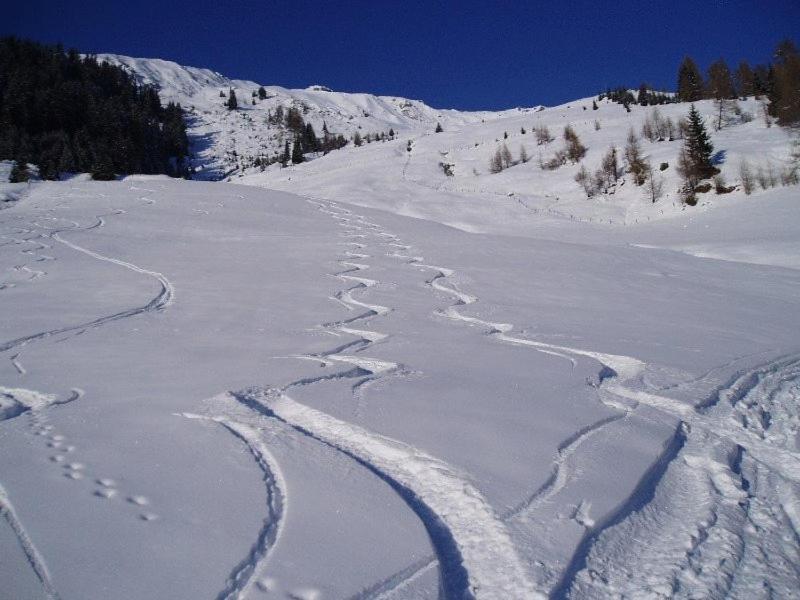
67	113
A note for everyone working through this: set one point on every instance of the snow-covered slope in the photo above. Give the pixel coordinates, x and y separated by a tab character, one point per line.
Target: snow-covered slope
226	141
219	391
400	384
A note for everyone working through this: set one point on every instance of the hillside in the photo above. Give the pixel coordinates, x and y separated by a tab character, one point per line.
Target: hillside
398	372
227	142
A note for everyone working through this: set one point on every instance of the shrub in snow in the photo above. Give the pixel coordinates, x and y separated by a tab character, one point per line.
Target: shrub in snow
746	175
575	150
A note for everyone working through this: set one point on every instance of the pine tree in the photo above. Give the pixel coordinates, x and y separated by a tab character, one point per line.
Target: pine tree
286	154
294	120
690	81
643	96
439	128
297	151
232	103
310	141
694	160
19	172
594	105
262	93
698	146
523	155
357	141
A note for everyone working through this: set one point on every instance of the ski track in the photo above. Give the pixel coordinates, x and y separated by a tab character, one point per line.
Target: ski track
246	428
163	299
474	551
754	466
619	382
32	555
17	401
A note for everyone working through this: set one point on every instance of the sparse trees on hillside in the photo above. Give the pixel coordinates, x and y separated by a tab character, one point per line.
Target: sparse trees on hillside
501	159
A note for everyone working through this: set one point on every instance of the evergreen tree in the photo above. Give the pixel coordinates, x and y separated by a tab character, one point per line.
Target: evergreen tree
19	172
67	113
232	103
287	154
357	141
644	96
262	93
695	161
594	105
294	120
297	151
439	128
310	141
690	82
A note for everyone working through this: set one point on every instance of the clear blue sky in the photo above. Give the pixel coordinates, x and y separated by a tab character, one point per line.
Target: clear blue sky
468	54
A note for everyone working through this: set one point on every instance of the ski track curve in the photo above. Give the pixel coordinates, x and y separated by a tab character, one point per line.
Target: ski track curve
245	575
164	298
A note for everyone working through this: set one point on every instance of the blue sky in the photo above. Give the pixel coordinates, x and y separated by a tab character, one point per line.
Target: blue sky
469	55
